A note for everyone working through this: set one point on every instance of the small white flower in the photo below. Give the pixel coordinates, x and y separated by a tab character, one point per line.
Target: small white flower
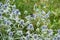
33	16
16	19
43	12
44	28
35	36
30	27
17	12
27	37
10	34
19	32
50	32
55	38
1	4
7	22
58	37
5	6
21	22
1	11
0	16
59	31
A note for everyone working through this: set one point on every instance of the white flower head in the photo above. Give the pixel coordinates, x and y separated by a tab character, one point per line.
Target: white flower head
59	31
30	27
33	16
50	32
21	22
35	36
1	4
44	27
19	32
43	12
10	34
7	22
27	37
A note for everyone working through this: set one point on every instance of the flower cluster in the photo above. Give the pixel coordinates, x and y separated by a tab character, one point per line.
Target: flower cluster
32	27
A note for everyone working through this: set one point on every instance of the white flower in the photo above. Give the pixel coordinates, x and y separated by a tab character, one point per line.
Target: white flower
43	12
27	37
1	4
21	22
19	32
10	34
7	22
59	31
50	32
33	16
5	6
1	10
44	28
58	37
16	19
35	36
0	16
30	27
55	38
16	12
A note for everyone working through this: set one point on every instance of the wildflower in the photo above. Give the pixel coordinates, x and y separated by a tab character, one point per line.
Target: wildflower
21	22
43	12
44	28
58	37
33	16
35	36
16	19
30	27
1	11
47	15
10	34
5	6
50	32
55	38
27	37
19	32
17	12
7	22
59	31
1	4
0	16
